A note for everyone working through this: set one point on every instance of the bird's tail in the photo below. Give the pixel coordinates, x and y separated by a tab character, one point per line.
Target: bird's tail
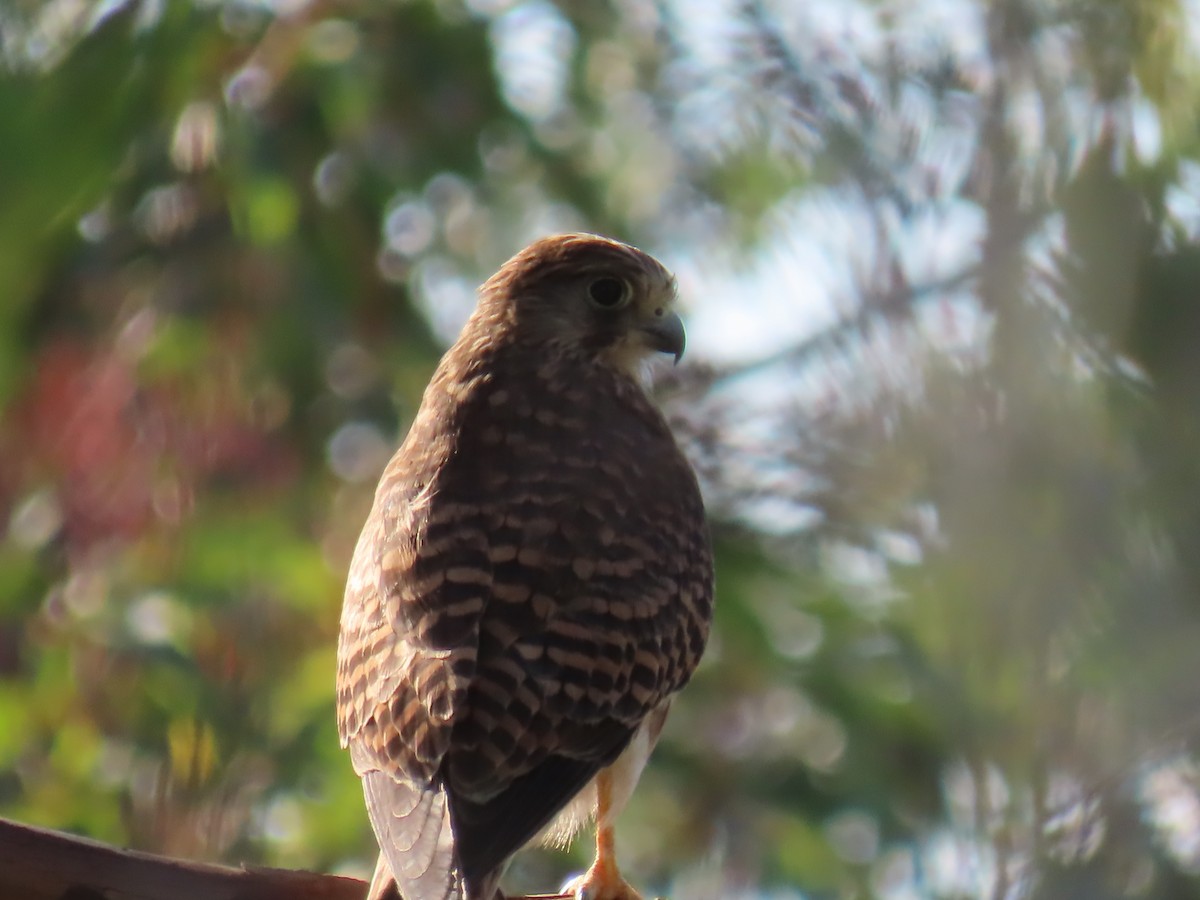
383	885
416	840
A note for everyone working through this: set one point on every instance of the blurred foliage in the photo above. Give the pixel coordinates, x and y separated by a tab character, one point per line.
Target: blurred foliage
944	394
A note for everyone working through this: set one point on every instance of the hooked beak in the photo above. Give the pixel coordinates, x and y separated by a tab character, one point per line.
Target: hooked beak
665	334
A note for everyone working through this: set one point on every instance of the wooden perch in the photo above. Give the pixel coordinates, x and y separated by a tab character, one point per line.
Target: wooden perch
39	864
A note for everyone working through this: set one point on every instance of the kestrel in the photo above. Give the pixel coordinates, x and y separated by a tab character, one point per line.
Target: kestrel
533	584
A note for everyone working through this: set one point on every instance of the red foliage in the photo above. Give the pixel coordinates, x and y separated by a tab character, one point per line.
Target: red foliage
123	456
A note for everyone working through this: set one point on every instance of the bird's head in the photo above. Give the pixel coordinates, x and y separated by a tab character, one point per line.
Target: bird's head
589	294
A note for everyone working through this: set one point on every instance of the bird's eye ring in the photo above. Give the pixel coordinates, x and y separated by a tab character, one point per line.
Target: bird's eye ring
609	293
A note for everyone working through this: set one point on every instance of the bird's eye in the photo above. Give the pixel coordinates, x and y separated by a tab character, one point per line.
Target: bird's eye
609	293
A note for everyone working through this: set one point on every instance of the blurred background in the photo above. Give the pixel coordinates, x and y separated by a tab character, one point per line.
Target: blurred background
940	263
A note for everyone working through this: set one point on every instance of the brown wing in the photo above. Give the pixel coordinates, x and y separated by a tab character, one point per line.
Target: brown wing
543	583
403	669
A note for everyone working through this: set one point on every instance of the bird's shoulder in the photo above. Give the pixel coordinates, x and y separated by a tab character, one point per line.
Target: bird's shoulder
502	420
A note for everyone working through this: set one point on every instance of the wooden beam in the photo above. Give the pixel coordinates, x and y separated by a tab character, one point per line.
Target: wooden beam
40	864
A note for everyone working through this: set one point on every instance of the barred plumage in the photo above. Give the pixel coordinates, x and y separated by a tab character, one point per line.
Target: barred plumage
534	581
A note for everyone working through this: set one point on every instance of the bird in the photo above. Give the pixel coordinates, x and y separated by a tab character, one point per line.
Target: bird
533	584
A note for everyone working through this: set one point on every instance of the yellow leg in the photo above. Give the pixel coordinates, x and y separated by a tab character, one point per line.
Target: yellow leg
603	880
